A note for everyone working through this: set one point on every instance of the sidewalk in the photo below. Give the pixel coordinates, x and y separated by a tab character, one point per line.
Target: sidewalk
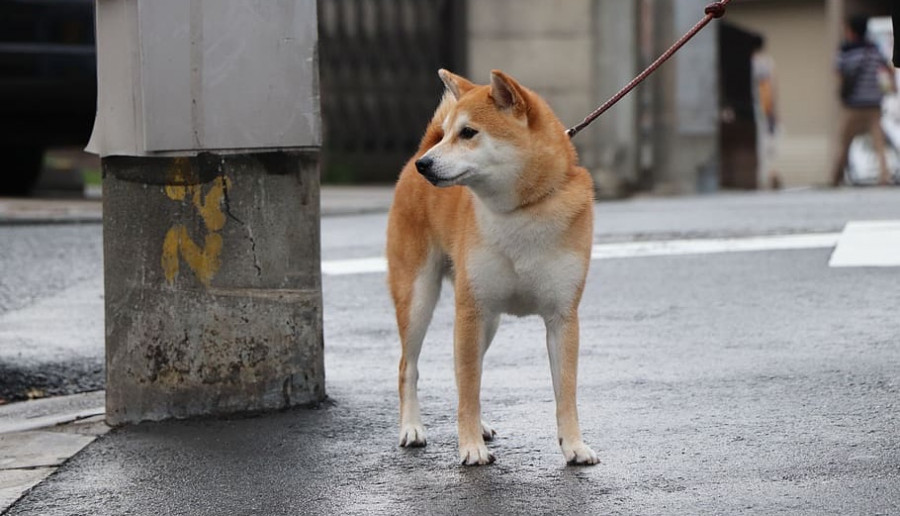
336	201
49	211
37	437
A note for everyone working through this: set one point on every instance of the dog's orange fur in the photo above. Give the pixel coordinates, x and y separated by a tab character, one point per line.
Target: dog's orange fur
552	189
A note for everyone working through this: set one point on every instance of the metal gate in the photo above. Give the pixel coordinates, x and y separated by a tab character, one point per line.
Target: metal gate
378	62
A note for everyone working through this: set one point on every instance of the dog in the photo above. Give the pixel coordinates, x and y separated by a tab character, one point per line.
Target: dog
495	200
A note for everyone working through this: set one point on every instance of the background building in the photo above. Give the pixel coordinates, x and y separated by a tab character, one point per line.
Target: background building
802	37
378	61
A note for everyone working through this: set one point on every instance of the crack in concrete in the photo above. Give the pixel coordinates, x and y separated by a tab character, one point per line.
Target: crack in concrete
231	215
227	201
256	264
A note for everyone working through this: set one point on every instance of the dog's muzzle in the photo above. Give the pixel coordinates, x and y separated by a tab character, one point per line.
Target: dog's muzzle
424	166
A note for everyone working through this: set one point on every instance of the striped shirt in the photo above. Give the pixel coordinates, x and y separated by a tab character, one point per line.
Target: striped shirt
859	63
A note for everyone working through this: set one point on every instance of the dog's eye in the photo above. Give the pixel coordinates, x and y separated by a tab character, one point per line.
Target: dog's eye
467	133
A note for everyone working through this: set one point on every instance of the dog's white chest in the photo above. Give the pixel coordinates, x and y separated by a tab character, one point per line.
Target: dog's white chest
521	269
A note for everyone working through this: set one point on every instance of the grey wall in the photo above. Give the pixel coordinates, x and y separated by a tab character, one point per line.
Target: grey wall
578	53
685	111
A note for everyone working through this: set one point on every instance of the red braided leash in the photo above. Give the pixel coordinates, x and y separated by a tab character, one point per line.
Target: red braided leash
713	10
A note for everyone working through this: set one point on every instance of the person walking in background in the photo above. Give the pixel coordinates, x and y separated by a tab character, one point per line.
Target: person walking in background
865	77
763	77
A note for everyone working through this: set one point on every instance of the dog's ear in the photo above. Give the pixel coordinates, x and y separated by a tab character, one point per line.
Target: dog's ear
455	84
506	92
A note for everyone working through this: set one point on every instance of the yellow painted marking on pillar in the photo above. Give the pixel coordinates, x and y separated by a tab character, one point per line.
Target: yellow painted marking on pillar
205	261
176	192
211	206
169	259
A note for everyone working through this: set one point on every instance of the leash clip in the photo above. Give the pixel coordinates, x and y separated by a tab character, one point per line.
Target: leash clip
716	9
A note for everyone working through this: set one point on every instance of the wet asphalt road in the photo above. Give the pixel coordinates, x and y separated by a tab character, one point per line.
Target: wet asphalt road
51	338
746	383
739	384
39	261
51	328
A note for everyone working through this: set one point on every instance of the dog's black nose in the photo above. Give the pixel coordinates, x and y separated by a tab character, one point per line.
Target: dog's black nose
423	165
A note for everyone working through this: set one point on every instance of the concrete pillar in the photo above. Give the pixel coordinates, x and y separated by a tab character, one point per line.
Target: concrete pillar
615	52
213	284
685	156
208	127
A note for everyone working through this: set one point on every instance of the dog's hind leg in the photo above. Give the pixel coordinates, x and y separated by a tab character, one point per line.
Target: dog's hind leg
414	299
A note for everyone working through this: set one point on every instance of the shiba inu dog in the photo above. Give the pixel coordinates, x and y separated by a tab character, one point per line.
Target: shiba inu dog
495	200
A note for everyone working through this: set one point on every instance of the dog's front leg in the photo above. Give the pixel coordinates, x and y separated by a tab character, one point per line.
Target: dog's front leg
562	346
470	332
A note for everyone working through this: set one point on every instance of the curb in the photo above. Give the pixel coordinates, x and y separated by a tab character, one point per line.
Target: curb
23	416
49	211
335	201
39	436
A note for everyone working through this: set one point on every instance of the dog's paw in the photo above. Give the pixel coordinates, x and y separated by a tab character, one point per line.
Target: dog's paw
579	454
475	455
412	436
487	432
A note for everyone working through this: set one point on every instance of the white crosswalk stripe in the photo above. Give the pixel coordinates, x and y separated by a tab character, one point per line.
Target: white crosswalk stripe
868	244
639	250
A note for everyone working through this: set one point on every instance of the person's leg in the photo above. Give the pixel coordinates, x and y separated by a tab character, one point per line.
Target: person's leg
850	122
878	142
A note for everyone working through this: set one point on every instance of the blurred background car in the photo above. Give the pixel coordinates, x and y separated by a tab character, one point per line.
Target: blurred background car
48	84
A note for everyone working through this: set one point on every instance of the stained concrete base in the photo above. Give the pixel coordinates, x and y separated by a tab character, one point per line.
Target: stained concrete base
213	284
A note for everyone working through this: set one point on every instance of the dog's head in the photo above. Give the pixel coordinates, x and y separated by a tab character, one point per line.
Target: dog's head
501	140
